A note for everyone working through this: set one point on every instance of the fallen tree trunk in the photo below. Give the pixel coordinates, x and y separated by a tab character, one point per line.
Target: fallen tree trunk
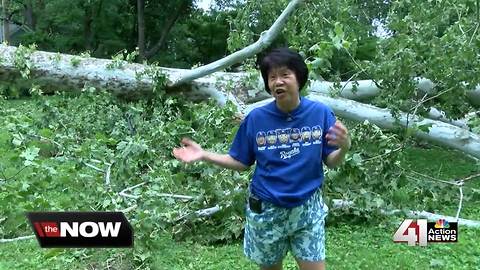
434	131
133	80
74	73
53	71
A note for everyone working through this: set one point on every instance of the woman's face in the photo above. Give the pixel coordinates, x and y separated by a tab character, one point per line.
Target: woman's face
283	85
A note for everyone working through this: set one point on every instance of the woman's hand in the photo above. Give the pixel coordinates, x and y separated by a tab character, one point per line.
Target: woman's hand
338	136
190	152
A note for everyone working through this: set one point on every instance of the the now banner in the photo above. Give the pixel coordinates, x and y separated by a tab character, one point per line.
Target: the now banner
81	229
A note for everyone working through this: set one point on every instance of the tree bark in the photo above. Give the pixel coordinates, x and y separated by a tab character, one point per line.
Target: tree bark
56	71
169	23
6	23
29	15
141	28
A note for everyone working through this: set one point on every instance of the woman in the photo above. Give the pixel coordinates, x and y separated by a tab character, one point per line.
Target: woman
289	139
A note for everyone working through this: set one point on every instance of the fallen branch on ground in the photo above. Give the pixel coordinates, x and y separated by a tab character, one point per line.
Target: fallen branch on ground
124	194
107	174
93	167
17	239
343	204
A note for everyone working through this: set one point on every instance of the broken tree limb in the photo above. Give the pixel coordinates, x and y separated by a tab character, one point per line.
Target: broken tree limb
17	239
128	209
208	211
125	194
364	90
436	114
200	213
438	132
107	173
64	72
361	90
93	167
343	204
175	196
266	38
54	71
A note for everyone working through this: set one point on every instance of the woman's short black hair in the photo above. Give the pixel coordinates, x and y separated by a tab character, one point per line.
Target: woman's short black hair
284	57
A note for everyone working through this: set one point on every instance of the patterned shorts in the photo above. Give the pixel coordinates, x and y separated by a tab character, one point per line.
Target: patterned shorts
270	234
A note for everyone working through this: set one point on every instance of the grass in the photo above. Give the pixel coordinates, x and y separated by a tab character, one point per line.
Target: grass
348	247
448	165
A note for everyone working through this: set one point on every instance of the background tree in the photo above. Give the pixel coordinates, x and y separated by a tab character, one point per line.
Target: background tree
174	33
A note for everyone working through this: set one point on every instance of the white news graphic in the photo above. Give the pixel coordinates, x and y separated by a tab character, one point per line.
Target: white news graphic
81	229
421	232
90	229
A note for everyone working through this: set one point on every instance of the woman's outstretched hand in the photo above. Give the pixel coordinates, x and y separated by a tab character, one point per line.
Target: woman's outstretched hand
190	152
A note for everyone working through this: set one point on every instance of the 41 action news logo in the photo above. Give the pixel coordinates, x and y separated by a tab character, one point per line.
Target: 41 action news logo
422	232
81	229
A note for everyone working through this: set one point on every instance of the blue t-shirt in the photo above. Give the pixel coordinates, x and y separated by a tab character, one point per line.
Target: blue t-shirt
288	148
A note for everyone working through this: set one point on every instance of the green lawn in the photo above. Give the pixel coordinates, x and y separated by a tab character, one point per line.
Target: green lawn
348	247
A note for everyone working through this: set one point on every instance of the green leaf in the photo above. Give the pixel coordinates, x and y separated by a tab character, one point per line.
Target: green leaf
357	159
30	154
338	29
425	127
17	139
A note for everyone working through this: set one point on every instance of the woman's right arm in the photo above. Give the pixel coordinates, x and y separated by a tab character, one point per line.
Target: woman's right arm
192	152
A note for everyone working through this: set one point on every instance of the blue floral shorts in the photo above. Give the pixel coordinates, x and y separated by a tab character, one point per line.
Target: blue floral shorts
272	233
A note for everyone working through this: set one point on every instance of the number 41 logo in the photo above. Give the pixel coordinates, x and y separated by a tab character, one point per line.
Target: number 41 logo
412	232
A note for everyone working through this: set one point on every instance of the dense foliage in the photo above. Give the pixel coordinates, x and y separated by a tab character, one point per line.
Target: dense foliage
59	151
48	145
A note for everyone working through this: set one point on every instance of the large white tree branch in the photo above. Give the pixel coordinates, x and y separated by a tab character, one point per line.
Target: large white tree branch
266	38
362	90
73	73
438	132
17	239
